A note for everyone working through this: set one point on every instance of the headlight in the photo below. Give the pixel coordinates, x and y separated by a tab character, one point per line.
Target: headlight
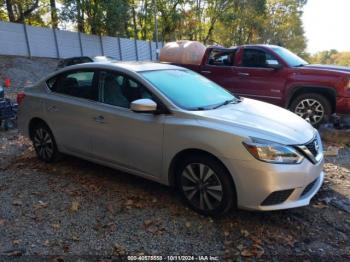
272	152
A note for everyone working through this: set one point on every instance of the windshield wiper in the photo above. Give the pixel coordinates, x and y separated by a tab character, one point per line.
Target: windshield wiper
230	101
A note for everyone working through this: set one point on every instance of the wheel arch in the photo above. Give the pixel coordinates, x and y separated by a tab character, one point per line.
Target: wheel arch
34	122
328	92
182	154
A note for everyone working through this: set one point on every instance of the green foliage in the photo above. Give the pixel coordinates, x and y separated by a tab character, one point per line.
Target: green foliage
331	57
225	22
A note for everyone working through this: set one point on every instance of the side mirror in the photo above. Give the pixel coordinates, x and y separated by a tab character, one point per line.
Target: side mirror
274	64
143	106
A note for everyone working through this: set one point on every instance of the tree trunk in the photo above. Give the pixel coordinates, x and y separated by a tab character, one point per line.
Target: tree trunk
10	12
54	17
134	21
24	14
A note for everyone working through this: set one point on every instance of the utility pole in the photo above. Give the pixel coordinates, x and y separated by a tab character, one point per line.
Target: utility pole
155	25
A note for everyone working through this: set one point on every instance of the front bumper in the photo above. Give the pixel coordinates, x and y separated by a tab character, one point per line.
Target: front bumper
256	181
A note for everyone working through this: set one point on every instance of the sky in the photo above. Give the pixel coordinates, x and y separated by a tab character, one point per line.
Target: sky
327	25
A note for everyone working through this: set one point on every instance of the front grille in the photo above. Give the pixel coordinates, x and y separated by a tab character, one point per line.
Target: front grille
313	147
308	188
277	197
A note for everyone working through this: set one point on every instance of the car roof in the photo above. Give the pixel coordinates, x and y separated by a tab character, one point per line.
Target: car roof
131	66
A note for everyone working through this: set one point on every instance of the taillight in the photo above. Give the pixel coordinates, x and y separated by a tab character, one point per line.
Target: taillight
20	97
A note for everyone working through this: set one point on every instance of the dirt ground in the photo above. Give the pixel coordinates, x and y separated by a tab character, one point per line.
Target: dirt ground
74	207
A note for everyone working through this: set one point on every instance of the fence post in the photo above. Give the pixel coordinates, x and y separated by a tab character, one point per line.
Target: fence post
80	44
136	51
150	50
27	40
56	43
101	44
120	49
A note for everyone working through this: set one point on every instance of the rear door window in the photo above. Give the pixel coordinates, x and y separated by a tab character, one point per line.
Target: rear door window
81	84
221	58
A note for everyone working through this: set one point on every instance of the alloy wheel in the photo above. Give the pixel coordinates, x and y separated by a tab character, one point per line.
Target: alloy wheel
43	144
311	110
201	186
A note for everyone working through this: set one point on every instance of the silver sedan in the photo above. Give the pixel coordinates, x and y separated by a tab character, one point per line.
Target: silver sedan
173	126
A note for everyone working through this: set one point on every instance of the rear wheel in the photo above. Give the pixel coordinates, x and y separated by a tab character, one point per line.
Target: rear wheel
314	108
44	143
205	185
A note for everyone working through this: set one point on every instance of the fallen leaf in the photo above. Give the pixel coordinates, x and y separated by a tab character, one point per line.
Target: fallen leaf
40	204
226	234
119	249
320	205
247	253
240	247
75	238
2	222
56	226
46	243
74	206
258	250
244	232
16	242
188	224
147	222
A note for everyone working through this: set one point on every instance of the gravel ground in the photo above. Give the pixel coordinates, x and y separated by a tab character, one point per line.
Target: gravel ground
23	70
74	207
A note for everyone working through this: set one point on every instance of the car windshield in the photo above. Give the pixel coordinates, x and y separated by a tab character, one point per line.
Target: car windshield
189	90
291	58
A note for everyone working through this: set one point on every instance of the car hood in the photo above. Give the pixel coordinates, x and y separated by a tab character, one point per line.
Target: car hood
329	67
262	120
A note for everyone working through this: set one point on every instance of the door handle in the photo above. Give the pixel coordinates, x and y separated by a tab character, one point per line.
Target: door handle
206	72
99	119
243	74
52	109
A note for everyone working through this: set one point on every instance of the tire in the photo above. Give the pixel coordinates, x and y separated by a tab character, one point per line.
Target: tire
205	185
313	107
44	143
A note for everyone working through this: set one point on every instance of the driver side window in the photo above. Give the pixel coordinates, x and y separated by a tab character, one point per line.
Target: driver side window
119	90
257	58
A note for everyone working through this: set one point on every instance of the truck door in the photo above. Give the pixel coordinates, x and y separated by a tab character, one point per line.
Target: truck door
218	67
259	75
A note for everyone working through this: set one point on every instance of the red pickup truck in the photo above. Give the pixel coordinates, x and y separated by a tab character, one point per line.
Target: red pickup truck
276	75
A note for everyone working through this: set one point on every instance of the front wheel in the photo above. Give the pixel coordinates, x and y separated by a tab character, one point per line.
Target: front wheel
205	185
314	108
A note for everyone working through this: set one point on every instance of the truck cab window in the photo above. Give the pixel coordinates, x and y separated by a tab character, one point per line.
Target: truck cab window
221	58
257	58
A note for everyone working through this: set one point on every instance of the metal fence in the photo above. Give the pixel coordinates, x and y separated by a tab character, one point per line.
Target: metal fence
25	40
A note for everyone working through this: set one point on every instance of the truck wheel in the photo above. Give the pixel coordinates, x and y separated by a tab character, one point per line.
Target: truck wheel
314	108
